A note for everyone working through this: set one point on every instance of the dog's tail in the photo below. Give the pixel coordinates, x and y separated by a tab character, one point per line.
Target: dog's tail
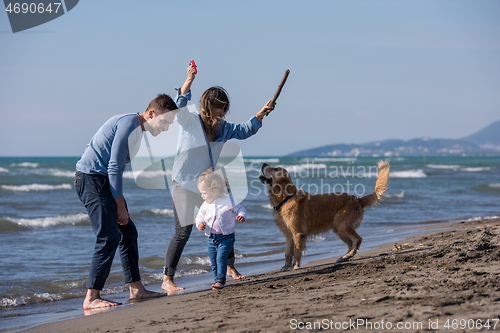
380	187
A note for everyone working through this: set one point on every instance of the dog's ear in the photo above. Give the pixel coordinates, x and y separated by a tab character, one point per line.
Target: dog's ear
281	173
301	195
284	186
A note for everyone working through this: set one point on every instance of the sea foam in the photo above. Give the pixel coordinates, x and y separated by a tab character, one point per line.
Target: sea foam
46	222
477	169
330	159
443	166
306	167
204	260
3	170
408	174
43	172
399	195
479	218
60	173
36	187
262	160
12	302
316	238
190	272
48	297
147	174
169	212
25	165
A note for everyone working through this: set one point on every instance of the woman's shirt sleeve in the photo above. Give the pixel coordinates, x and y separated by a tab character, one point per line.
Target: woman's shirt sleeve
242	131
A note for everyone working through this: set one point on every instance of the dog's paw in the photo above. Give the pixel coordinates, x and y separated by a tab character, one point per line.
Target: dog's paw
296	266
285	268
344	259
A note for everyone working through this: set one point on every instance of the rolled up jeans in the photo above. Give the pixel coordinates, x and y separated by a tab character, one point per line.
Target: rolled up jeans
94	192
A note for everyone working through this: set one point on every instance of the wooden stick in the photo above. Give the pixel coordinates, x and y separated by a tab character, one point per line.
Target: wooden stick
276	95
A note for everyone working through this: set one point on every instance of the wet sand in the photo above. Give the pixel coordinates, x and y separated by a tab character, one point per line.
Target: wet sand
441	281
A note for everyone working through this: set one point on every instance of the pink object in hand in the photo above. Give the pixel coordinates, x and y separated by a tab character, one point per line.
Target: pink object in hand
194	65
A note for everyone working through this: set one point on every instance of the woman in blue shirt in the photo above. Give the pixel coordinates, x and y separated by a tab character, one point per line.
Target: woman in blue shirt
198	129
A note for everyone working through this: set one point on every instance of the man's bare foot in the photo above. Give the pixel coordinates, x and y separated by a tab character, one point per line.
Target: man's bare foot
92	312
169	286
93	300
137	290
232	272
99	303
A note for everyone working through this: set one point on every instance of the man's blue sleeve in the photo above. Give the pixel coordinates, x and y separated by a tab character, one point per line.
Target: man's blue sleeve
118	157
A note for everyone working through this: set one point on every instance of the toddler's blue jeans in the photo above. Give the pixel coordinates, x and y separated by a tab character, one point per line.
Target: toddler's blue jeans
219	247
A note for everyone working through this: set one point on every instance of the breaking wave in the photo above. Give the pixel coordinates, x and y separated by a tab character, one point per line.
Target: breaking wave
25	165
157	211
477	169
399	195
36	187
47	222
443	166
147	174
262	160
408	174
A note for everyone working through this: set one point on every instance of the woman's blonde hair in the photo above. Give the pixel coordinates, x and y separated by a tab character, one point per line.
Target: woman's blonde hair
213	97
213	182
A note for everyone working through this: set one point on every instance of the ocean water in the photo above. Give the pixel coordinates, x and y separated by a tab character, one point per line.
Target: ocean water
47	243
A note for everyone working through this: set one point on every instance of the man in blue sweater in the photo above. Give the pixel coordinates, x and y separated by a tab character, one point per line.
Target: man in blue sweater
99	184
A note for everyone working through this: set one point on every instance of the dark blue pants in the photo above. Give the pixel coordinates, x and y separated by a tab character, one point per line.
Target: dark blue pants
95	194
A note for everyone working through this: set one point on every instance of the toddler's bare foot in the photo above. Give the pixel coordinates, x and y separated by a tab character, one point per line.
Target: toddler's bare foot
217	286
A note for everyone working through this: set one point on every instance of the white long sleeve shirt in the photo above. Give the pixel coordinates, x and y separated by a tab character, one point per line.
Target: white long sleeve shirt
222	212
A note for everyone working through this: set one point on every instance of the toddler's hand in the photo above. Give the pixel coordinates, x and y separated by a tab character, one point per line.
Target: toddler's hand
202	226
240	218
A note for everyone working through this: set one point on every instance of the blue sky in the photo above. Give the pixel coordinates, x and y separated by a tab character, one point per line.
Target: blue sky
360	70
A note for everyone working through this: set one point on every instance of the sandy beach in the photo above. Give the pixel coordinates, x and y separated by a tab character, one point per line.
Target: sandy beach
442	281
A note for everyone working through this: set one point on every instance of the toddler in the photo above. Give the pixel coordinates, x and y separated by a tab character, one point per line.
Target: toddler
216	217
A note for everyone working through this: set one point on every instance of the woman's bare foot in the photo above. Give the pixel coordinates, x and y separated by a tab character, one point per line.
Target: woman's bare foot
232	272
93	300
169	286
217	286
137	290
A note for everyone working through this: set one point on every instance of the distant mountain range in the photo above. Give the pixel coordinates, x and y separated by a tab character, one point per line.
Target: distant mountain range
485	142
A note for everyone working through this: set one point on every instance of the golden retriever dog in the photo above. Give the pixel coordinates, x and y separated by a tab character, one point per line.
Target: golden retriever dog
300	214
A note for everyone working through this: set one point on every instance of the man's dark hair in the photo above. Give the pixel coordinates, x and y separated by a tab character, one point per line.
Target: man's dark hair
162	102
